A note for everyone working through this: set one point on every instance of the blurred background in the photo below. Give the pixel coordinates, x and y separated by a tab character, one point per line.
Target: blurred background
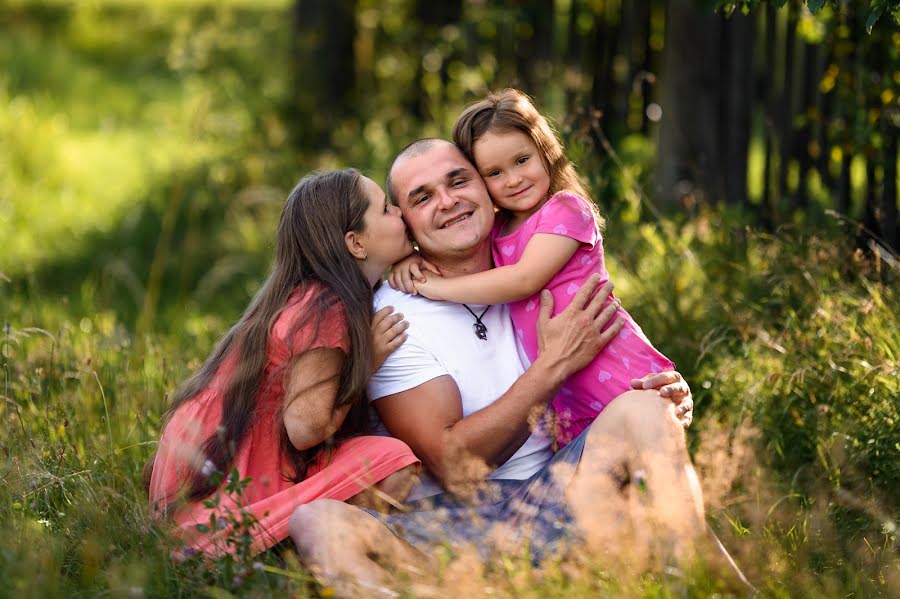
745	155
147	145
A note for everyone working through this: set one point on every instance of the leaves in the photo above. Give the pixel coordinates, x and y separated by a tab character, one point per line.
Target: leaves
875	11
815	5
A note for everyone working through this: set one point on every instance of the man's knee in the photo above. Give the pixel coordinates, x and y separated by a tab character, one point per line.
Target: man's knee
309	522
637	413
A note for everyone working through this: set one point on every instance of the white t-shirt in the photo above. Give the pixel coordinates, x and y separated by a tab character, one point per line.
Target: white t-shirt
442	342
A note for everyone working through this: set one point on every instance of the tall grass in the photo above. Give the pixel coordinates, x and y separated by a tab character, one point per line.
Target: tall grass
137	201
796	386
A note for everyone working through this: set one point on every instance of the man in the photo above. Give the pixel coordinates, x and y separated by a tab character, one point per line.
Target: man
470	410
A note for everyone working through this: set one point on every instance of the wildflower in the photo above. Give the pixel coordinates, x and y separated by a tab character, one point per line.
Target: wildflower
208	468
259	566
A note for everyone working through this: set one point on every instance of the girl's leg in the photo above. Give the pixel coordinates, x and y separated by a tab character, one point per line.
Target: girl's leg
350	551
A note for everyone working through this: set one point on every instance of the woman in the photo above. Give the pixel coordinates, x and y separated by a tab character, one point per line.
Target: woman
281	400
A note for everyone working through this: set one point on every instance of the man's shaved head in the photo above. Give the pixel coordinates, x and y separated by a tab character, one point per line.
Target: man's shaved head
416	148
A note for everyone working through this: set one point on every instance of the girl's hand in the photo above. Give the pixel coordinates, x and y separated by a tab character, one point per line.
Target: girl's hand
387	335
407	271
432	287
672	385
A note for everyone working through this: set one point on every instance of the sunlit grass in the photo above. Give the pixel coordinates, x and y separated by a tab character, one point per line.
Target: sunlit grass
146	137
79	151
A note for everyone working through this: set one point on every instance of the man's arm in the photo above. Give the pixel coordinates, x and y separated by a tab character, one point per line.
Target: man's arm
429	417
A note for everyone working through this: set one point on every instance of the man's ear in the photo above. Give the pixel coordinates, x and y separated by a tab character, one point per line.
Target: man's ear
354	245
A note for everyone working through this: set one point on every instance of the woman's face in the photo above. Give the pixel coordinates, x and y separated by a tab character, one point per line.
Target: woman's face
384	235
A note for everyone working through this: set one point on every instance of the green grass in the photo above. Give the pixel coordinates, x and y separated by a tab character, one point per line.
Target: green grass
144	160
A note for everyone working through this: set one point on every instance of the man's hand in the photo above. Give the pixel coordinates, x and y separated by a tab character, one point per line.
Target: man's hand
569	341
387	335
672	385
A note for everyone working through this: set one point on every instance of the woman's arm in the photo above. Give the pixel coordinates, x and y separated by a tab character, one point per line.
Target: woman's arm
309	413
312	386
543	257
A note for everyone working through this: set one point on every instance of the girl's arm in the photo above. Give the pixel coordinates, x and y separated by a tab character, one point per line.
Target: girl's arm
405	273
543	257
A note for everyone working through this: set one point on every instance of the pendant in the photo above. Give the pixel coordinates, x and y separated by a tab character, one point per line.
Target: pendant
480	331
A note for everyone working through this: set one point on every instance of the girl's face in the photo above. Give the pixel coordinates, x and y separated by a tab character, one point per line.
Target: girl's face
384	236
513	171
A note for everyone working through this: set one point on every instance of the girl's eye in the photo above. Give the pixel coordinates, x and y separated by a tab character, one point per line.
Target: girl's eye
492	174
523	160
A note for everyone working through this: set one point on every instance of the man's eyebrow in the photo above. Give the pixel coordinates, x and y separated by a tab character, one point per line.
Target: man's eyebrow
415	192
457	172
450	175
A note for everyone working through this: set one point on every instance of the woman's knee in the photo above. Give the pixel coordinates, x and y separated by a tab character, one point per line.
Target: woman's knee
398	484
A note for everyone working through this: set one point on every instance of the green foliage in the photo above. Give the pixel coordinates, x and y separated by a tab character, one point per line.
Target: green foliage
877	8
146	152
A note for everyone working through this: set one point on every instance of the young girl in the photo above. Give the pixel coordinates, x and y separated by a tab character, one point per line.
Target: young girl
546	236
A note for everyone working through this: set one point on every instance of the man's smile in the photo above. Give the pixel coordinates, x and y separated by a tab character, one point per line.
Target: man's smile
456	220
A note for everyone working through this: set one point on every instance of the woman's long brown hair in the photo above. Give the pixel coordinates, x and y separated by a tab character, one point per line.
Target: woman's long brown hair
511	110
309	249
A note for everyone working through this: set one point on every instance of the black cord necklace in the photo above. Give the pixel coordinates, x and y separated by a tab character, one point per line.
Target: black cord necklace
480	329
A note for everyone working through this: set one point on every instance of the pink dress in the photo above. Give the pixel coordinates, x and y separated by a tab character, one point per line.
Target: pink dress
354	465
629	355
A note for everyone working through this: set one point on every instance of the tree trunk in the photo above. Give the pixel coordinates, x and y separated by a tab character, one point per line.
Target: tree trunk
844	188
687	157
734	130
577	61
870	220
324	69
606	35
803	146
767	208
786	104
627	62
431	17
890	223
535	44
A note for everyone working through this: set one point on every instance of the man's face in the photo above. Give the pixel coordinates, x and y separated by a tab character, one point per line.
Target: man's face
443	201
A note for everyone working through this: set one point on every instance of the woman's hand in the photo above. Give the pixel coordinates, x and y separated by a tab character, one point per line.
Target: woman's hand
405	273
387	335
672	385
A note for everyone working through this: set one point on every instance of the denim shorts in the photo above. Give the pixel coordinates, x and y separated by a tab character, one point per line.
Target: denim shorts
500	516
